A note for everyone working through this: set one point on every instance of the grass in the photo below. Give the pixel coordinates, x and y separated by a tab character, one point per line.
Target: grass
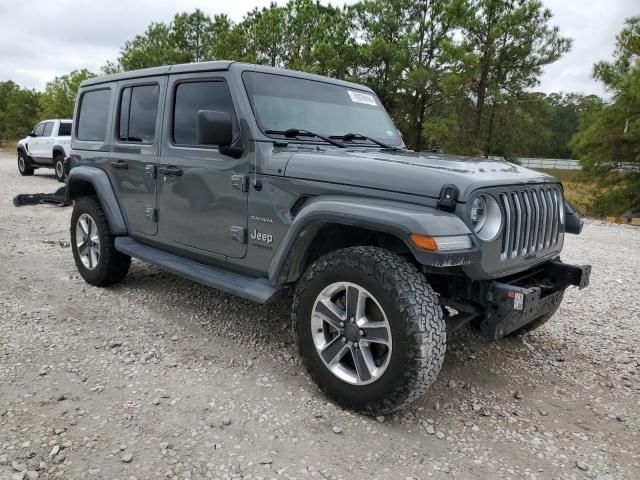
583	192
10	146
579	190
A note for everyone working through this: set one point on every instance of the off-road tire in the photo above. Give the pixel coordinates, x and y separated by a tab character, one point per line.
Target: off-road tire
58	166
112	265
415	320
24	165
541	320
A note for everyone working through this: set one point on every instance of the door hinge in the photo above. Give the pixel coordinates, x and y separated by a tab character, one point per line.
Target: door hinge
151	171
239	234
241	182
151	214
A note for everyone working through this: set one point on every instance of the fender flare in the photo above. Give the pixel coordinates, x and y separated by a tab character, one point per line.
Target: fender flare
79	177
395	218
58	148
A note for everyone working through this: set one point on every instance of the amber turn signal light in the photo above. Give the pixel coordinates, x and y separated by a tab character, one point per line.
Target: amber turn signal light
424	242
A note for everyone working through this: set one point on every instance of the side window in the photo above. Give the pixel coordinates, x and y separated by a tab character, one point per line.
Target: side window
64	129
48	129
138	111
93	114
190	97
39	129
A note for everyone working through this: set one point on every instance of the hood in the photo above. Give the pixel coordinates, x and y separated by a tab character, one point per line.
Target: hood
408	172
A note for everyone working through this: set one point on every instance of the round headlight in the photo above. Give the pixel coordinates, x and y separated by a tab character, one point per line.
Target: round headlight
486	217
478	212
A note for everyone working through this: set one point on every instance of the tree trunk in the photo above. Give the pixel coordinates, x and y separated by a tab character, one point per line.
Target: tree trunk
481	96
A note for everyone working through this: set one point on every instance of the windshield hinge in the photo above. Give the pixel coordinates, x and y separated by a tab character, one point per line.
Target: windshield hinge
240	182
448	196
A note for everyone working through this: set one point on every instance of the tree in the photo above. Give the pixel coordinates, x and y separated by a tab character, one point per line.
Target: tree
432	73
608	141
382	52
151	49
510	41
191	35
59	95
18	110
264	31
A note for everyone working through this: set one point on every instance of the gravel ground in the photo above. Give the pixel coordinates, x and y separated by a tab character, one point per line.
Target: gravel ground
159	377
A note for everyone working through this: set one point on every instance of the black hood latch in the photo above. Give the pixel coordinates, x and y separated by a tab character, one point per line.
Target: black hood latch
448	196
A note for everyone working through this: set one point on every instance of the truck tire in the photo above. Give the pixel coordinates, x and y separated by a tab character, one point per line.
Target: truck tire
58	165
24	165
92	242
369	329
541	320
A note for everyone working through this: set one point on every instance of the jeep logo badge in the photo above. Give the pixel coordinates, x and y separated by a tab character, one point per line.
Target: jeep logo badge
262	237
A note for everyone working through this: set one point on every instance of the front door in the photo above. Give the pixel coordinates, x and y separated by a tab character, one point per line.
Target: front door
34	144
202	198
136	147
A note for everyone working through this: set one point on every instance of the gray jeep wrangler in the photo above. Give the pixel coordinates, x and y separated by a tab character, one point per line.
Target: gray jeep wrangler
255	180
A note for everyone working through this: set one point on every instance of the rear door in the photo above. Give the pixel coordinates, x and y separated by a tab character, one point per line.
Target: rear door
45	144
202	194
136	147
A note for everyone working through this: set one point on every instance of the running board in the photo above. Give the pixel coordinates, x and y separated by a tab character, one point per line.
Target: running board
257	290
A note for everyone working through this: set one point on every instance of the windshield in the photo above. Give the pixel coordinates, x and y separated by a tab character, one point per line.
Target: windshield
281	103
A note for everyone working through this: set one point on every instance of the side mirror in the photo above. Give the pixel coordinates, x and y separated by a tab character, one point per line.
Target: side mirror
214	128
31	134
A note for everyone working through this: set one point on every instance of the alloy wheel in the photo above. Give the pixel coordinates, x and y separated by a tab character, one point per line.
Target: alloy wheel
59	170
88	241
351	333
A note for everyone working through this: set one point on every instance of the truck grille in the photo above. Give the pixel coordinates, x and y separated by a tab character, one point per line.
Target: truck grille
533	219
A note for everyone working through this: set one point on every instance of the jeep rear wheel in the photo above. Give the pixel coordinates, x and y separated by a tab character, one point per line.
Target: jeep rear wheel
58	164
24	165
92	242
369	329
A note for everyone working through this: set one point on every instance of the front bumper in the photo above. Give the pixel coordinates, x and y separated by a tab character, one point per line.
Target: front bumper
513	305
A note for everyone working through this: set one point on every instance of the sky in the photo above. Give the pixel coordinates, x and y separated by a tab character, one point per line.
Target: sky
42	39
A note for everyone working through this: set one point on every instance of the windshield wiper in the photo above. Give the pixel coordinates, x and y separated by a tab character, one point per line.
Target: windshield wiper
297	132
349	137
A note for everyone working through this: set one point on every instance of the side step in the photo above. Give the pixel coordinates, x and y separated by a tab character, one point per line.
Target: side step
257	290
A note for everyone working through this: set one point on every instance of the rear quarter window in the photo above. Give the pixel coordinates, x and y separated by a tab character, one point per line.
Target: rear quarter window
93	115
64	129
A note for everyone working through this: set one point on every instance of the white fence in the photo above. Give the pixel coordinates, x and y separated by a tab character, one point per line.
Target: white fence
558	163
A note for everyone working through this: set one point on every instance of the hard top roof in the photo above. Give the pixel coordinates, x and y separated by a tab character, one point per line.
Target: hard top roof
212	66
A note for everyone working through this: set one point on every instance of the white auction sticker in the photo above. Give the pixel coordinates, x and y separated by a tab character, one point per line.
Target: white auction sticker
518	301
361	97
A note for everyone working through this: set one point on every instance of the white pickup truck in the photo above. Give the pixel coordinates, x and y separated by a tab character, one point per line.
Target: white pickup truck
46	146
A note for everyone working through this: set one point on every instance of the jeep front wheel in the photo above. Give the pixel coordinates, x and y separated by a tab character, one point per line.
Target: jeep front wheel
92	242
369	329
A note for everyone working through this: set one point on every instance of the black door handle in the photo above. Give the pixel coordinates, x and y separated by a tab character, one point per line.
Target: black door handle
120	164
171	170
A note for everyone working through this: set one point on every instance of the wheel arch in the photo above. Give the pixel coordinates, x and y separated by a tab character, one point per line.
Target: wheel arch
84	181
58	150
328	224
20	149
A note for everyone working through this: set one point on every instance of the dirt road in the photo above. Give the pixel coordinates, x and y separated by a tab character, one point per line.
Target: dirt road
159	377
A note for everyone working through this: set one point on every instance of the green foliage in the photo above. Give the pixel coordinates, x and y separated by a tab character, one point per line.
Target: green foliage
18	110
454	74
608	140
59	95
